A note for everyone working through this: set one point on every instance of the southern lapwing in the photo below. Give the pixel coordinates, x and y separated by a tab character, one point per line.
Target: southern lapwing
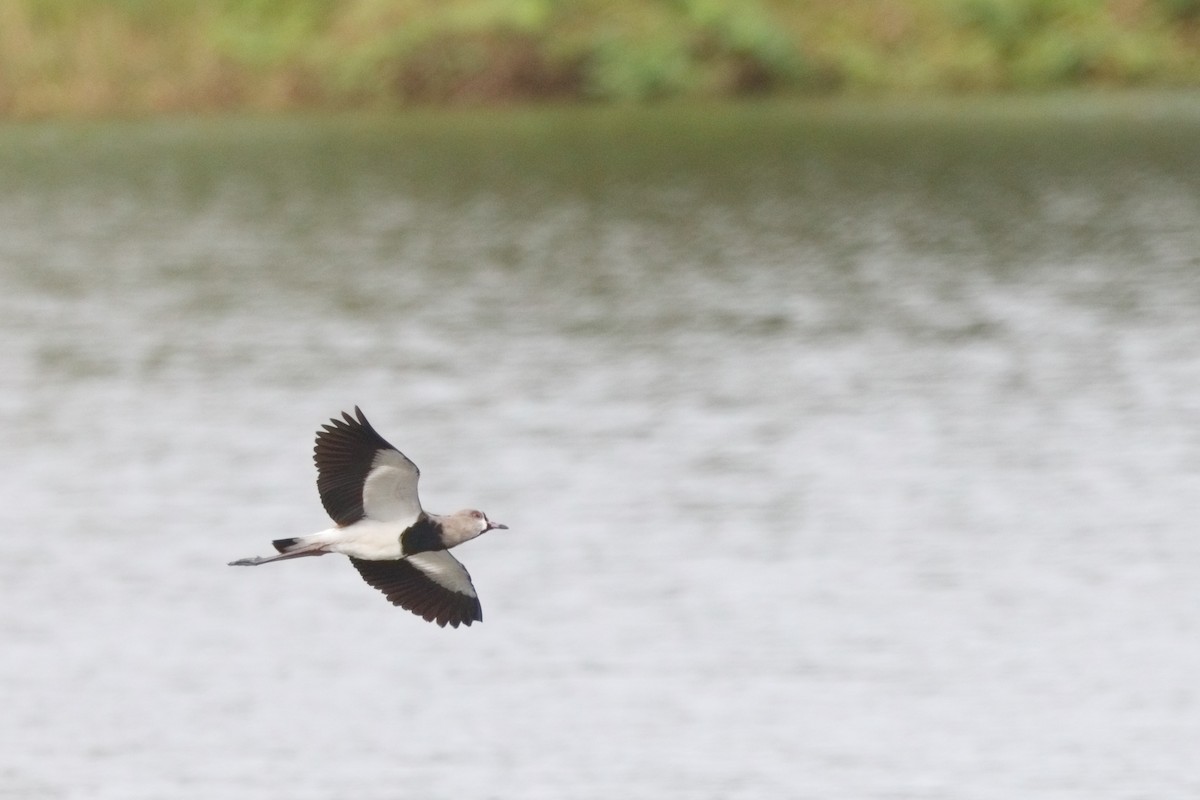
369	488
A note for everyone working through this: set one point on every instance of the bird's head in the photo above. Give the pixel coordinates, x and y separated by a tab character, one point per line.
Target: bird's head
481	521
468	524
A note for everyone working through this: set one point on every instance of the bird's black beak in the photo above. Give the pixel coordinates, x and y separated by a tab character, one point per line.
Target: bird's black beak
496	525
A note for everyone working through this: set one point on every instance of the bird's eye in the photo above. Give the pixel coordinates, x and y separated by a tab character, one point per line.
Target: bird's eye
476	515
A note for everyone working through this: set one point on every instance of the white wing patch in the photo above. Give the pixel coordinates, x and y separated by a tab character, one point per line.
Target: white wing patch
444	570
390	490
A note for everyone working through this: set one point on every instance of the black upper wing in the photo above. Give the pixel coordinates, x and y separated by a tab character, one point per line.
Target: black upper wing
346	451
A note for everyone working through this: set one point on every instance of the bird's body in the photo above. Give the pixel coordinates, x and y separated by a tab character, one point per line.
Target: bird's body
369	489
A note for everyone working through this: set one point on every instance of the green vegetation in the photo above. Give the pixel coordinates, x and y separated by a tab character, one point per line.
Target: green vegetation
138	56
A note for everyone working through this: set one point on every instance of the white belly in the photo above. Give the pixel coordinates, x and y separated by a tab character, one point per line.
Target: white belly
367	538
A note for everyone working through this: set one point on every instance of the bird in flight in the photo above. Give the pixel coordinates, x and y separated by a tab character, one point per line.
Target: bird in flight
369	488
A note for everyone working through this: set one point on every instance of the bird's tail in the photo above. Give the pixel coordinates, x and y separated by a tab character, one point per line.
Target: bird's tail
295	547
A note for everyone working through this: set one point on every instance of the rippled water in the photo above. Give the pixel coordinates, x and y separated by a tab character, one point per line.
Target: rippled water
847	452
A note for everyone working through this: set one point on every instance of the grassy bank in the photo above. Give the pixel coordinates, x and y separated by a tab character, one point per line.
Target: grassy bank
141	56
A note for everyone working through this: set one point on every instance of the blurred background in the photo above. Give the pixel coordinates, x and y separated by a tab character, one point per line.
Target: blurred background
834	366
135	56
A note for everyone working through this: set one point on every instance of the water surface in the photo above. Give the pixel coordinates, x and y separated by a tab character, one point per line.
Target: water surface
848	452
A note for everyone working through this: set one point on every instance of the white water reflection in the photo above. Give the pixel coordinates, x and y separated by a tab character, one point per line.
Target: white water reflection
854	468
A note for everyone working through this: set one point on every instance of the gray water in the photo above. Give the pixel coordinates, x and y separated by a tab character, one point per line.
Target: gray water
847	452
